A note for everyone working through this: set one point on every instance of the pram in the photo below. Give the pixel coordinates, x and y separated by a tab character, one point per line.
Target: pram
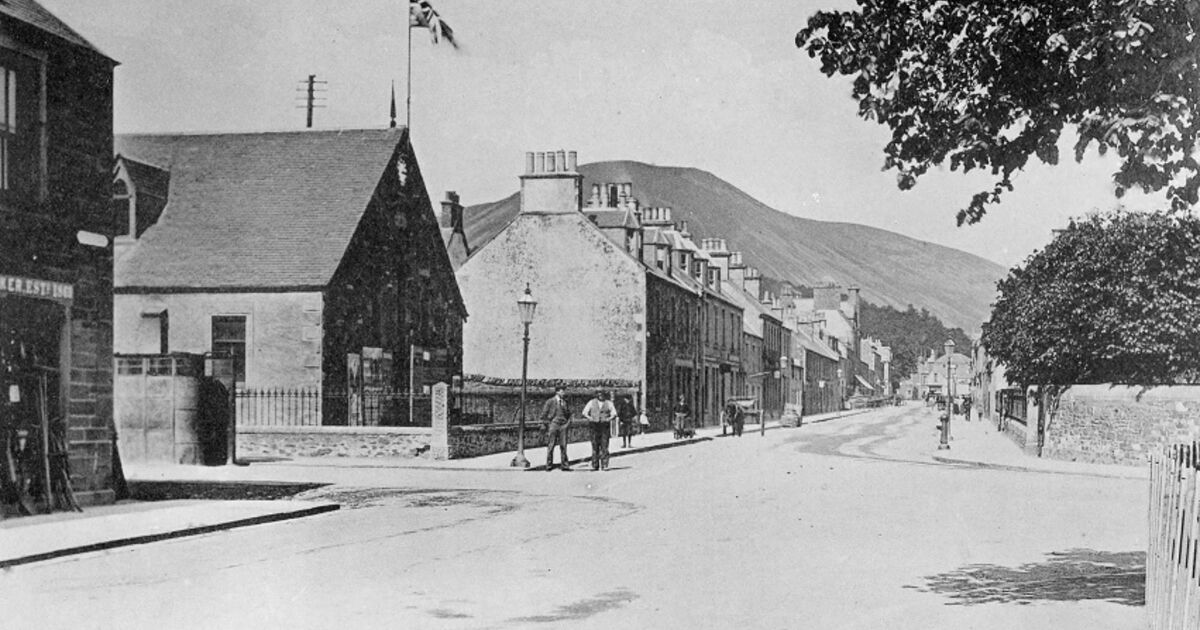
682	423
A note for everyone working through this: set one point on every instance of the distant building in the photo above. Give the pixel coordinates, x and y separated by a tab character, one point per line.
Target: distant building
56	104
311	258
841	327
819	381
931	376
767	355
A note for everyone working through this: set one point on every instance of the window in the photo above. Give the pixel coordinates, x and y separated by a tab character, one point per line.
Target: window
121	203
20	126
229	340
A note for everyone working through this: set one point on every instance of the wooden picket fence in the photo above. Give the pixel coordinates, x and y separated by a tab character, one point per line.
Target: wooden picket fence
1172	578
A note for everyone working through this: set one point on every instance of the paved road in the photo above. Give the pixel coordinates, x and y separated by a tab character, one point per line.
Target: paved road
844	524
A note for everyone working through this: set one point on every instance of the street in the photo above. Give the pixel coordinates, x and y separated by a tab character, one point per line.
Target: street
843	524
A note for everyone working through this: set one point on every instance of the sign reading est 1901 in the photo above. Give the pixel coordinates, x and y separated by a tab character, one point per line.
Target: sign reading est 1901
31	287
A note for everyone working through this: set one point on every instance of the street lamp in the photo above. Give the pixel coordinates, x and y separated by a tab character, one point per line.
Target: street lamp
944	444
526	306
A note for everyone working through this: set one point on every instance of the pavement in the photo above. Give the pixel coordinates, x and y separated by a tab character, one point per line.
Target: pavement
96	529
980	443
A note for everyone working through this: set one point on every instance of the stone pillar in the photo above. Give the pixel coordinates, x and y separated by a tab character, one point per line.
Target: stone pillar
439	441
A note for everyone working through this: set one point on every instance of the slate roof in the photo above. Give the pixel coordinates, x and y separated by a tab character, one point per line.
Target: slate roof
36	15
254	210
612	218
813	345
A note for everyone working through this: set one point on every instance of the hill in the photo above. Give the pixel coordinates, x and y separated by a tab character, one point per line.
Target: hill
891	269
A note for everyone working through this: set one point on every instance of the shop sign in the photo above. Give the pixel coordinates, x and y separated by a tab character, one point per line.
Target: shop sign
34	288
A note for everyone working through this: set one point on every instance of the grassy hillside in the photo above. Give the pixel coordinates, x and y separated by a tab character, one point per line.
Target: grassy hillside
891	269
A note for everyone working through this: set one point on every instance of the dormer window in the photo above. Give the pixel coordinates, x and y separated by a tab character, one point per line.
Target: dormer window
122	207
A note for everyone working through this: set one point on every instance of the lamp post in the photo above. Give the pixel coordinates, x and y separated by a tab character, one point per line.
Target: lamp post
526	305
944	444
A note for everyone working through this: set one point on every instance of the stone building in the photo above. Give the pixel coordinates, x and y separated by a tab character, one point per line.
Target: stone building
55	263
312	258
932	378
590	325
839	313
624	300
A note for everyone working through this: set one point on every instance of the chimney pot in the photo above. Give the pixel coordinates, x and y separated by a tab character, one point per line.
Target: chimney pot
529	162
541	162
562	160
572	164
550	162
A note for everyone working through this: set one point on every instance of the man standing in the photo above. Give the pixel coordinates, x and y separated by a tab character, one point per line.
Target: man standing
599	412
735	417
556	415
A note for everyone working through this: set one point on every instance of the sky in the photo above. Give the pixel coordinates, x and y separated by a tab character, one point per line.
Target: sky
709	84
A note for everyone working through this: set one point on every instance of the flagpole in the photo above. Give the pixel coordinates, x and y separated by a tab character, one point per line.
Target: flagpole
408	96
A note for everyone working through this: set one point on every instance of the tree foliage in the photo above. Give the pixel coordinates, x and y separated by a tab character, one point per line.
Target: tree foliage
911	334
980	84
1114	298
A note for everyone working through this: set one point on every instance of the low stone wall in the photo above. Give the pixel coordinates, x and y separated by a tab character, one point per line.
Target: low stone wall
332	441
486	439
1121	425
1020	433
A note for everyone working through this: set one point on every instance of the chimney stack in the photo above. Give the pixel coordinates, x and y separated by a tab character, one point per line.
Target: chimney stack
718	255
752	283
737	270
657	216
452	212
827	298
553	187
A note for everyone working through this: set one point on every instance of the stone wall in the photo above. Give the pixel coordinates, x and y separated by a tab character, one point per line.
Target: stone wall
332	441
473	441
1120	424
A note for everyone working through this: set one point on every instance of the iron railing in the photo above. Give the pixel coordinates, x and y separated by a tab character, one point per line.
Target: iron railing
1012	405
310	407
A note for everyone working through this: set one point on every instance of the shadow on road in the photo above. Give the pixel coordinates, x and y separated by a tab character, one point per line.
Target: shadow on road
1073	575
584	608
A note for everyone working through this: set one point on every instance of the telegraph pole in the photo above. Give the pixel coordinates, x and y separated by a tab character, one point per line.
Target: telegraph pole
312	88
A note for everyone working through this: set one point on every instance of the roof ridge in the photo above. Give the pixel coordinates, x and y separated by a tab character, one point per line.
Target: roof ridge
264	132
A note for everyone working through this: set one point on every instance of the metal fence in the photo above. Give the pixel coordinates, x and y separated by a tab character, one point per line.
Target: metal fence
323	407
1011	405
1172	579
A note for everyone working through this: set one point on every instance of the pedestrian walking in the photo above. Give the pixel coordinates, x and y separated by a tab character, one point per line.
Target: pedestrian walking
966	407
735	417
556	416
627	416
599	413
682	416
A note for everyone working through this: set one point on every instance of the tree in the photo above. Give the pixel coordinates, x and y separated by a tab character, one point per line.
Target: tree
1114	298
911	334
979	84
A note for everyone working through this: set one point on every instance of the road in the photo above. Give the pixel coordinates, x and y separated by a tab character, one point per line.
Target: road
837	525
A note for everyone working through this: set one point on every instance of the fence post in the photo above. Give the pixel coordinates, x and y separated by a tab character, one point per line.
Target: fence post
439	440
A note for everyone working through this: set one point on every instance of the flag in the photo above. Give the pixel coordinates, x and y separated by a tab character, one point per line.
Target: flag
421	14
